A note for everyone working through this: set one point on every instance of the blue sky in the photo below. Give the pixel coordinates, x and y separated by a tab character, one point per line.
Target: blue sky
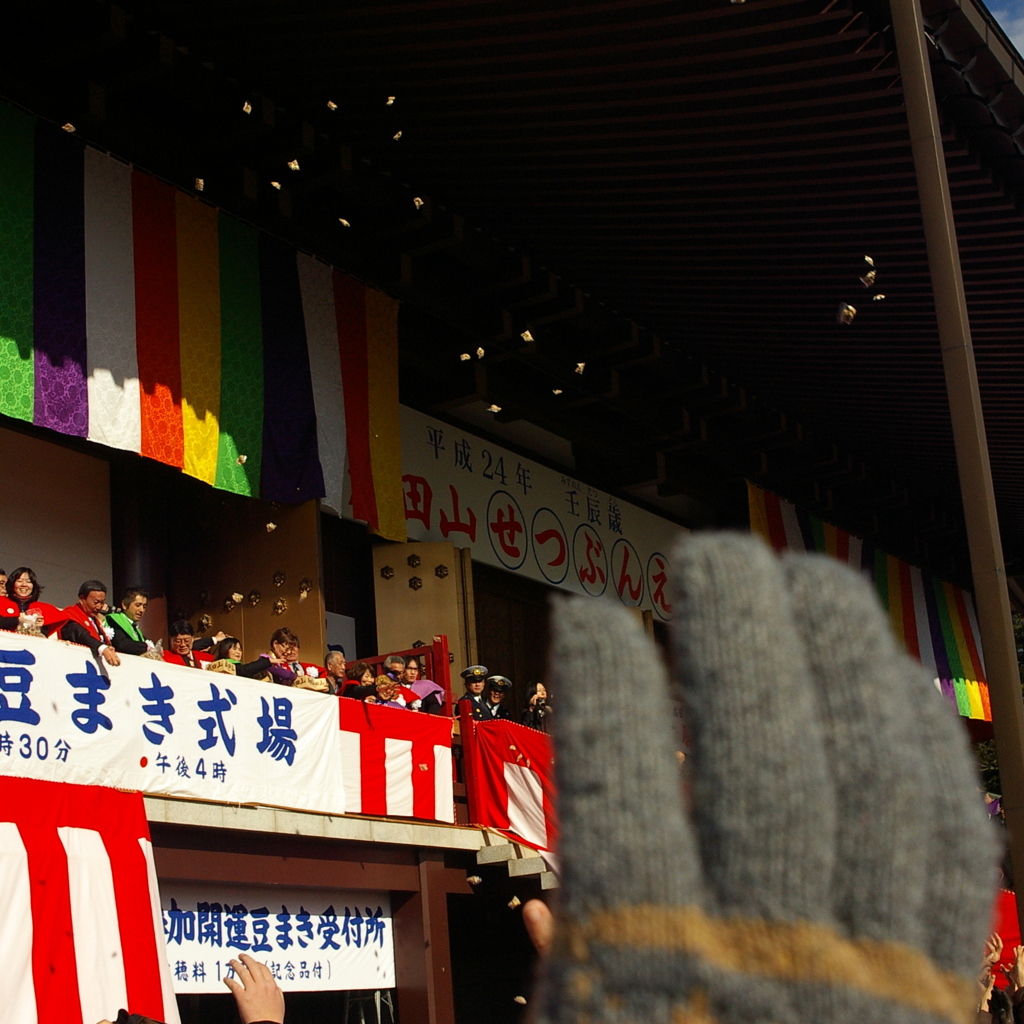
1010	15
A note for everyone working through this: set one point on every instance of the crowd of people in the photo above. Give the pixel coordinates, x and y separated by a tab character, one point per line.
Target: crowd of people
110	632
1001	1005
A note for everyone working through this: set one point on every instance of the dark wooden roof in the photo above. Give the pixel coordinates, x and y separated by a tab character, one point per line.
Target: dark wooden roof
677	195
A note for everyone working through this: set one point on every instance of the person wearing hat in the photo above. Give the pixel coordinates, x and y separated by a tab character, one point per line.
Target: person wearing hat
494	698
474	678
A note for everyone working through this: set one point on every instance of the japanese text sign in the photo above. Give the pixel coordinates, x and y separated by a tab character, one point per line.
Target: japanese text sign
518	515
311	940
165	729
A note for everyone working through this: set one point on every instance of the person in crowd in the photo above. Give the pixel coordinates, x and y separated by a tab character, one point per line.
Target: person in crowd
128	638
394	666
429	692
84	625
474	679
284	645
494	698
358	681
23	611
537	713
335	665
258	997
392	694
181	637
3	582
227	657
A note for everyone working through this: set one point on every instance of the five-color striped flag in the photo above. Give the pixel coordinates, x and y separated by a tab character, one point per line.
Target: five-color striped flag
933	619
145	319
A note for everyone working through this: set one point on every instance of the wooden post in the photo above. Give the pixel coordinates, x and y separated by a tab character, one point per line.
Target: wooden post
986	550
422	952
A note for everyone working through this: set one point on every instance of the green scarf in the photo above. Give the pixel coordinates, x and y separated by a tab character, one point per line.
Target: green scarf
127	625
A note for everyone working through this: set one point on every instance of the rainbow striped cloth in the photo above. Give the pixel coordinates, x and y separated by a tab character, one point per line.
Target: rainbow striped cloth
934	620
141	318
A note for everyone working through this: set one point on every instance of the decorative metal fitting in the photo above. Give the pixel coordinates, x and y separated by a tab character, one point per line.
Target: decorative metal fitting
280	606
254	598
229	604
204	623
305	588
413	561
204	598
279	578
387	573
415	582
441	572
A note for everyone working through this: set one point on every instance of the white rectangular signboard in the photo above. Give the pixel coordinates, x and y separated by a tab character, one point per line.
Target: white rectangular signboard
165	729
311	940
518	515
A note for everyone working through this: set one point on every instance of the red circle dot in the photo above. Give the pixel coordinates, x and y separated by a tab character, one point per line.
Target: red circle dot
143	761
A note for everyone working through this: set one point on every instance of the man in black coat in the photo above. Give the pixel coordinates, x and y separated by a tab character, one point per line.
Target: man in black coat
473	678
494	698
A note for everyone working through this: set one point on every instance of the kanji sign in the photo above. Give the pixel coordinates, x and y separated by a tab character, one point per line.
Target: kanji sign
526	518
332	940
164	728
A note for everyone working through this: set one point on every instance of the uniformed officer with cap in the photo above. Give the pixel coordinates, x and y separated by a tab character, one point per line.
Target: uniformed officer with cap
474	679
494	698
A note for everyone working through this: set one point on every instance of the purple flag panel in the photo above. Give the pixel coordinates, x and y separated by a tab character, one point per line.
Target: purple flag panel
61	395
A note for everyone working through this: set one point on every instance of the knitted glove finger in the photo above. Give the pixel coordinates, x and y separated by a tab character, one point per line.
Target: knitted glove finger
626	846
763	801
961	874
624	838
901	775
883	793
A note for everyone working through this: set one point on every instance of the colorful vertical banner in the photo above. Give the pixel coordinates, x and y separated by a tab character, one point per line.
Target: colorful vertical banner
144	319
933	620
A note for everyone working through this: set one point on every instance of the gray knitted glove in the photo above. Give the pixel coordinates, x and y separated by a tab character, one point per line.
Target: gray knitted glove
837	866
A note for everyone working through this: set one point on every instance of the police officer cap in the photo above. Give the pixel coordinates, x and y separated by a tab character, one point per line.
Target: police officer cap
474	672
499	683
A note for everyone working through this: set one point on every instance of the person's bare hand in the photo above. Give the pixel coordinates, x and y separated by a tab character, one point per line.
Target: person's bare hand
1015	972
993	949
110	656
540	924
986	982
258	996
218	636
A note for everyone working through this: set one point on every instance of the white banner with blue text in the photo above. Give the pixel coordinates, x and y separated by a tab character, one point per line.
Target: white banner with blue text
311	940
165	729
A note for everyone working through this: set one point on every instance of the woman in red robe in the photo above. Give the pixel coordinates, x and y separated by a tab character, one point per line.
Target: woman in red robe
22	611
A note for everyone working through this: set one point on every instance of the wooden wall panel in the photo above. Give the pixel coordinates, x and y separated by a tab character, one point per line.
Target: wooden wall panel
414	602
235	552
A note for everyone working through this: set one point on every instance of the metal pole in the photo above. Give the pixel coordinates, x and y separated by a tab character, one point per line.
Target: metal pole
986	550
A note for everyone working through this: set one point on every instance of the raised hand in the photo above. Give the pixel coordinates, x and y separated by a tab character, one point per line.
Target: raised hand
837	865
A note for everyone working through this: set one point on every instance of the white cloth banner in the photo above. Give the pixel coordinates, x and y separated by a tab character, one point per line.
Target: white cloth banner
311	940
518	515
165	729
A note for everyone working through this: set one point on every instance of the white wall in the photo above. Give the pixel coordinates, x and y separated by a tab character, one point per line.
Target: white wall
54	515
